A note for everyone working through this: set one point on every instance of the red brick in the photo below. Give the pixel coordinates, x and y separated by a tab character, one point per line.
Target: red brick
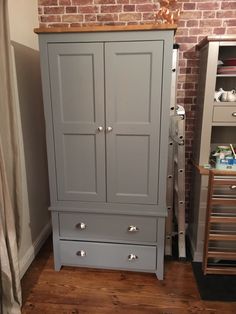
230	23
209	14
90	17
50	18
144	7
72	18
148	16
107	17
123	1
227	5
208	5
210	23
53	10
129	7
186	39
71	9
200	31
231	31
182	31
81	2
139	1
192	23
111	8
191	15
129	17
64	2
59	25
226	14
47	2
40	10
219	31
88	9
189	6
104	1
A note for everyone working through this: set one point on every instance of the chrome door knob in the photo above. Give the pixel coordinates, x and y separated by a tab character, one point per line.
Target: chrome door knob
234	114
132	257
109	129
233	187
81	226
81	253
100	129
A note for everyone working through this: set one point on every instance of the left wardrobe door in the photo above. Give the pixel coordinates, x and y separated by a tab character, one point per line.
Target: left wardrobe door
77	95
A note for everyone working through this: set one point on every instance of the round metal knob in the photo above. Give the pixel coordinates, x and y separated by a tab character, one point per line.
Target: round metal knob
233	187
81	253
100	128
81	226
133	229
109	129
132	257
234	114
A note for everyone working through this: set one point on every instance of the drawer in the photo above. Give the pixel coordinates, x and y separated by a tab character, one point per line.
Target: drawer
224	114
105	255
95	227
226	187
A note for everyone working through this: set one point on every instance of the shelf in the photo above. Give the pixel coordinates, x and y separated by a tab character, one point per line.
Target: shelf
226	75
220	270
222	255
222	237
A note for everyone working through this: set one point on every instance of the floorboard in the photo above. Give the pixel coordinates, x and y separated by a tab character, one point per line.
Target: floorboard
90	291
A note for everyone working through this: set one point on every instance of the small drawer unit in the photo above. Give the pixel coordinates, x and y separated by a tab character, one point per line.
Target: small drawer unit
108	255
84	226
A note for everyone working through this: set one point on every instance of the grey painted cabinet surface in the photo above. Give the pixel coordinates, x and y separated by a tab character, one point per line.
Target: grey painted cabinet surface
106	98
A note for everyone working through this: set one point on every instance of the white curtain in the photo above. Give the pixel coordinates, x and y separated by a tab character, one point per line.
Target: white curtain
10	174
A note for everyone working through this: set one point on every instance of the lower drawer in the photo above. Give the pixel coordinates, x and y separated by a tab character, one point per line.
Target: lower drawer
108	255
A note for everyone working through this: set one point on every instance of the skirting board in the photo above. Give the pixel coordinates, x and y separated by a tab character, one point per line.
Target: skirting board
33	250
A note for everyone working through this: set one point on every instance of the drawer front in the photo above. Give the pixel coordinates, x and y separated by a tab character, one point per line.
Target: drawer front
224	114
227	188
107	227
105	255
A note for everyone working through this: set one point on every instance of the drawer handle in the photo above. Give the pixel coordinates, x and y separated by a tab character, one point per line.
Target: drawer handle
81	253
81	226
133	229
233	187
132	257
234	114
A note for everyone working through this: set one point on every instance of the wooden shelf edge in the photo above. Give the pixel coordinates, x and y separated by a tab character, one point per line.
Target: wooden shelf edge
105	28
206	171
222	255
210	38
220	270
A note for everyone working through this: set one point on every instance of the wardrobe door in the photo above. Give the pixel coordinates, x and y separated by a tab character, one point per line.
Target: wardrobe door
133	73
77	94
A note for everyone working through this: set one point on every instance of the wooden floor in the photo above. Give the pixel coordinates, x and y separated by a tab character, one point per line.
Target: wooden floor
78	290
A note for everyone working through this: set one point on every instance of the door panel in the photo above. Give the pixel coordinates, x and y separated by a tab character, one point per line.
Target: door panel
133	72
77	91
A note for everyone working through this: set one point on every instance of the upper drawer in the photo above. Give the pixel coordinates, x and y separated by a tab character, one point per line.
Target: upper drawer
97	227
224	114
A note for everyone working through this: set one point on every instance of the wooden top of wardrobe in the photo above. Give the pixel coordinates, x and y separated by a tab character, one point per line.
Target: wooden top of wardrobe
106	28
210	38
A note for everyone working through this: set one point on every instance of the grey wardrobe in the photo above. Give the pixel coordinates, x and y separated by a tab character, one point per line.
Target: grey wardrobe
106	96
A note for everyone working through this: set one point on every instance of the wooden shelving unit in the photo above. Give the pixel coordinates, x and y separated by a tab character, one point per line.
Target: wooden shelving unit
220	233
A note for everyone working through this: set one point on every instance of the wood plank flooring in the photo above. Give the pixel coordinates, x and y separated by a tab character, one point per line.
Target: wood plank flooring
90	291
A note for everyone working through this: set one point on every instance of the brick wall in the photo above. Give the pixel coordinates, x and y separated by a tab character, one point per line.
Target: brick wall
198	19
